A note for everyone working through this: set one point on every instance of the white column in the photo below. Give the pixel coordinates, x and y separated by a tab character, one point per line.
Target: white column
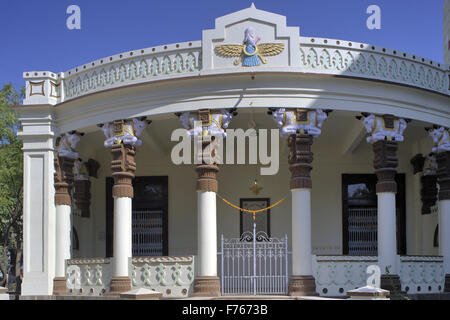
207	234
301	232
444	233
387	237
122	236
417	205
38	200
63	241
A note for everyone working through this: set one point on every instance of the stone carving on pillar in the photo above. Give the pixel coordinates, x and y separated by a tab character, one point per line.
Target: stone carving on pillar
385	127
303	121
384	134
426	167
428	180
300	159
205	125
441	147
63	182
122	136
301	126
82	193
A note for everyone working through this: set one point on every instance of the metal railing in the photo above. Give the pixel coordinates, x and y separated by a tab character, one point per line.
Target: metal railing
254	264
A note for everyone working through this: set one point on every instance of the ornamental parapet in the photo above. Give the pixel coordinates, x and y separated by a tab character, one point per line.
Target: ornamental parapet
317	56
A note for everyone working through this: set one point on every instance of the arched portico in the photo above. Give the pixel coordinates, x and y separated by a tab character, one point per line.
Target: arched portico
345	77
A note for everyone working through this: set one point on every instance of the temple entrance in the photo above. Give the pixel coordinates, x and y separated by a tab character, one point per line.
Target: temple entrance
149	217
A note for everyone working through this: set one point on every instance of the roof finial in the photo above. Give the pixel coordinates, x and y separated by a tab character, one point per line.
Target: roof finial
253	6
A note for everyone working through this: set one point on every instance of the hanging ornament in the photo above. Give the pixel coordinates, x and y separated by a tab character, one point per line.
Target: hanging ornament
256	188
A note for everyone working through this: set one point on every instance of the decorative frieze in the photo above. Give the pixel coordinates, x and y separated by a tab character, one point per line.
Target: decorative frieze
371	62
135	68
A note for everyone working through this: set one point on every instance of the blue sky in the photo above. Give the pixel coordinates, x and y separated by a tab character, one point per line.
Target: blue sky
35	36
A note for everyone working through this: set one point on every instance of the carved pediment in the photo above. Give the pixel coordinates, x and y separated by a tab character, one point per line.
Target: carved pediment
250	38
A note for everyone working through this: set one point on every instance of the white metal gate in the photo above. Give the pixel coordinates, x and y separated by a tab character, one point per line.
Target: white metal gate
254	264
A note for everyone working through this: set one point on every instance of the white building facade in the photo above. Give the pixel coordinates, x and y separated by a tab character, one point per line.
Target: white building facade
364	167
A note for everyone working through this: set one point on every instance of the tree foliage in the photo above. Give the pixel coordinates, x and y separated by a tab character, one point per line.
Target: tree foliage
11	175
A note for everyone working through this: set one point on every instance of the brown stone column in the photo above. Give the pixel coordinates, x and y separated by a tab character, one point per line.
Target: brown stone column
302	282
385	164
82	197
206	285
63	179
443	176
123	167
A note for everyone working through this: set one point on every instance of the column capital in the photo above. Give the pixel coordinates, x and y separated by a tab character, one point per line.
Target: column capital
206	122
124	131
299	120
441	139
384	127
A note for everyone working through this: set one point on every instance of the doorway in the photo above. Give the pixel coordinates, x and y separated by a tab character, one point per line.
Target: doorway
149	216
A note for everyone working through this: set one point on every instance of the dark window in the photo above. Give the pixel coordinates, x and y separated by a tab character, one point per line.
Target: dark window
149	216
359	214
262	219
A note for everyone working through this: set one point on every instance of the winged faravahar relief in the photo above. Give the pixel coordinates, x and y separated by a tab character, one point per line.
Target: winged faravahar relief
250	53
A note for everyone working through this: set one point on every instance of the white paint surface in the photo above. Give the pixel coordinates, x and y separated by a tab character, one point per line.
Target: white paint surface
207	234
444	233
122	236
301	232
63	240
387	238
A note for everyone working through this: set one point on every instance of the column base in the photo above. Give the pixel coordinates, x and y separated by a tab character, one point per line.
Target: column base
447	283
302	286
59	286
392	283
118	285
206	287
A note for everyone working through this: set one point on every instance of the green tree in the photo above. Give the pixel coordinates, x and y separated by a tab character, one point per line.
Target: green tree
11	179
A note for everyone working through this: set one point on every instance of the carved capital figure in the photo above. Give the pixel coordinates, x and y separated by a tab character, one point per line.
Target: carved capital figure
304	121
385	127
124	131
441	139
212	123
